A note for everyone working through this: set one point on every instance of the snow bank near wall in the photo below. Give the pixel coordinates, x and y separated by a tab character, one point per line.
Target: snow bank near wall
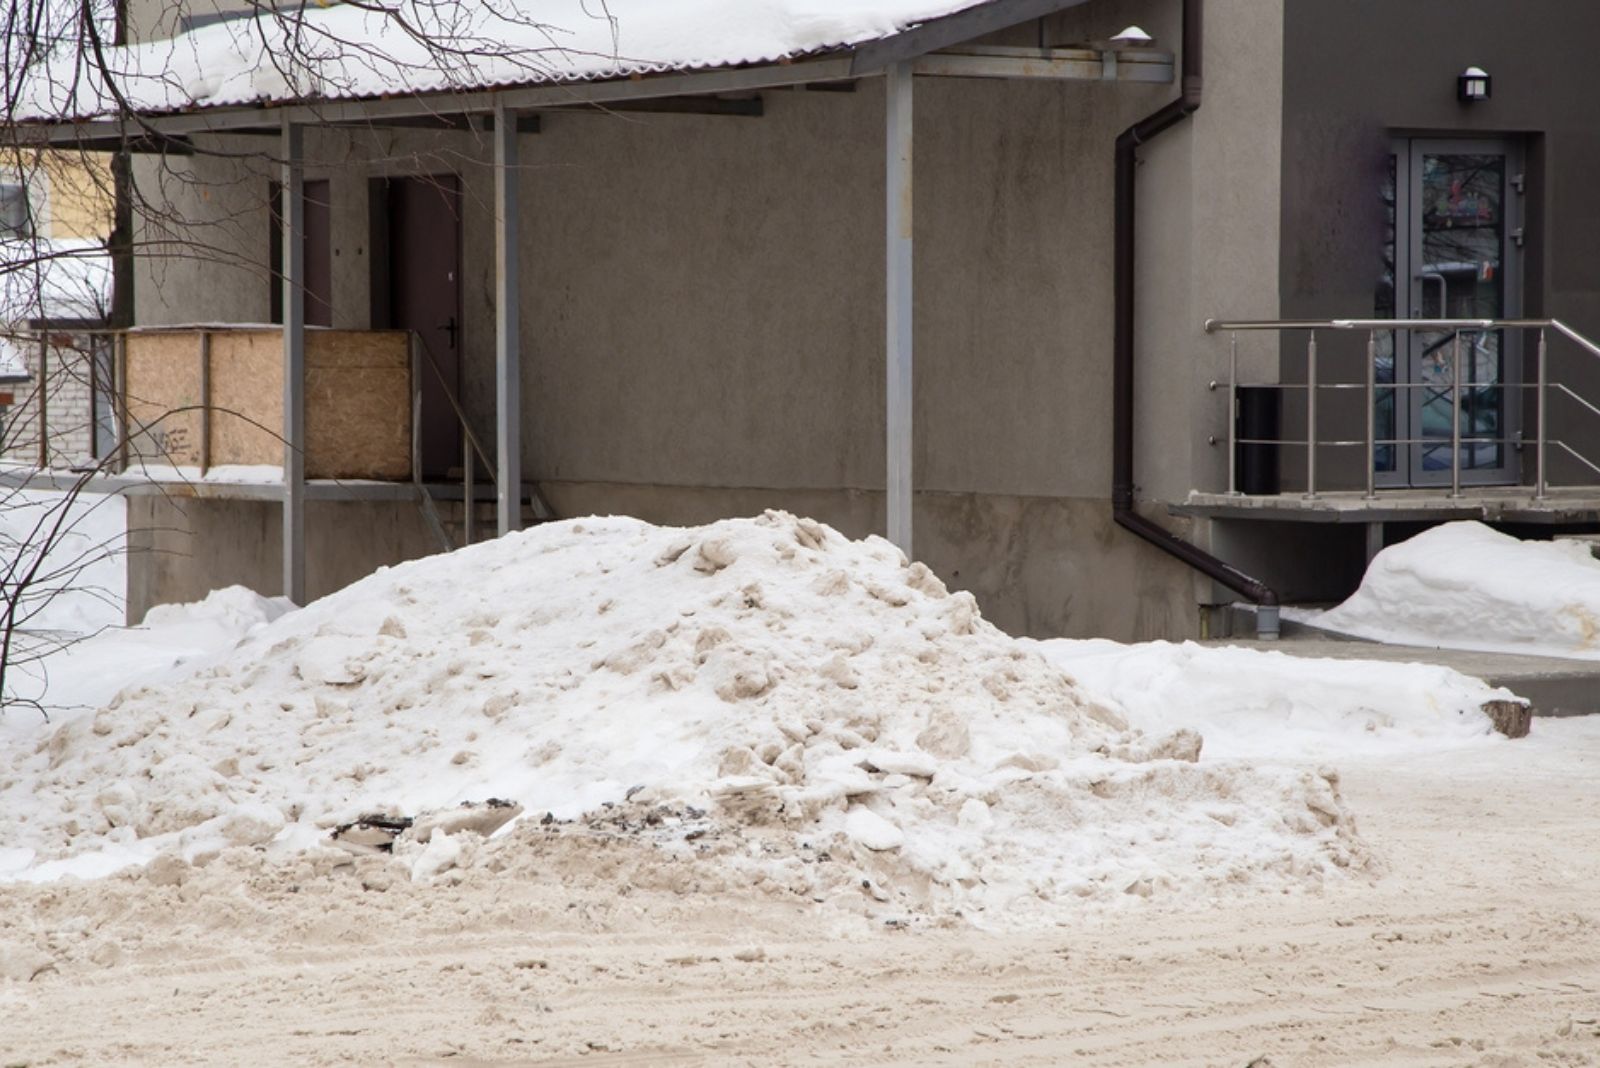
1466	586
1272	706
811	710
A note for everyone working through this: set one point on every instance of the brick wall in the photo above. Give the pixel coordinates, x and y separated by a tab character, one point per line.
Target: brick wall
68	406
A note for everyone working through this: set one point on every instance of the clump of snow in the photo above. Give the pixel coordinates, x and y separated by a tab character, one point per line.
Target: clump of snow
1253	704
1466	586
804	709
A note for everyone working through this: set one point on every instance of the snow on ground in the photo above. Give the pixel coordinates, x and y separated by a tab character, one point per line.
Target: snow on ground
1466	586
1254	705
83	577
810	712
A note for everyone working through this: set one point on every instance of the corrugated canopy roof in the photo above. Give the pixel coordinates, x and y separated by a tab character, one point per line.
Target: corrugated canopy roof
421	46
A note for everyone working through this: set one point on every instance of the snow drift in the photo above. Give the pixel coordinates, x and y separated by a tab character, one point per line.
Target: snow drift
1254	704
1466	586
761	694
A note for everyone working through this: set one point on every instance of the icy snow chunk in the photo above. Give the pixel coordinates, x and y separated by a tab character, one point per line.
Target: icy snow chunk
872	830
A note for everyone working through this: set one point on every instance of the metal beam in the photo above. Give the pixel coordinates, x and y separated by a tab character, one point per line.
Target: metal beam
294	362
1063	64
507	325
746	106
898	292
969	25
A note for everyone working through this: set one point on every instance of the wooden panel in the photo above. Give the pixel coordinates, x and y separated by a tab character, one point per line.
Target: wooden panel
358	404
358	400
247	397
163	384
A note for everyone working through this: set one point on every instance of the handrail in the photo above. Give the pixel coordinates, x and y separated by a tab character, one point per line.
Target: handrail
1213	326
1373	327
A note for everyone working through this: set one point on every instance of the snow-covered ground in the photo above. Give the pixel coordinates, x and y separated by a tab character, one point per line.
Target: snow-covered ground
1466	586
765	752
83	578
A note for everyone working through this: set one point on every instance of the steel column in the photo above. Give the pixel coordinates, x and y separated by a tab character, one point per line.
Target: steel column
1311	417
507	325
898	290
1539	478
1455	415
1233	411
294	363
1372	415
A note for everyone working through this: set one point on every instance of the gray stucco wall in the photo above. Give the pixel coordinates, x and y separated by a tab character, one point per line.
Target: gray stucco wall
703	306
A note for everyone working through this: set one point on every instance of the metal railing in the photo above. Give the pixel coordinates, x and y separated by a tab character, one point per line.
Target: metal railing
1456	328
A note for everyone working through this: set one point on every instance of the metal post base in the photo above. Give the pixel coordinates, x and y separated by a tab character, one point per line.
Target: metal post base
1267	622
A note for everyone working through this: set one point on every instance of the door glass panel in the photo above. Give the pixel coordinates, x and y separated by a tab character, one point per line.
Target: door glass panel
1461	203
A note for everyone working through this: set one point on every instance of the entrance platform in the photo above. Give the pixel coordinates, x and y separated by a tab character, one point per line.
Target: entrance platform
1503	504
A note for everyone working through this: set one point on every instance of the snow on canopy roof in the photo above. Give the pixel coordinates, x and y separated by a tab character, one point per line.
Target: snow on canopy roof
418	46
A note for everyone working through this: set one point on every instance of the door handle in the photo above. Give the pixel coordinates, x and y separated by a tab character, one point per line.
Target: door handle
1424	277
450	327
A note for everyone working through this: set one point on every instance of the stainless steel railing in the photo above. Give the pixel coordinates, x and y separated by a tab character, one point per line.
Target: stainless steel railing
1456	327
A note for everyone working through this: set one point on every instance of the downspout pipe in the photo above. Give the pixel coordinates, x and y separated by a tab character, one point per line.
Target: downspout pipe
1122	382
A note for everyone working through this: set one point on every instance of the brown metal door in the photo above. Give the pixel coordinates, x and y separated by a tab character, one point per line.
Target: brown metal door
424	221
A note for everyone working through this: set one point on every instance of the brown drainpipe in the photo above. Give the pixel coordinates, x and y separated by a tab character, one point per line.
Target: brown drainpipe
1122	395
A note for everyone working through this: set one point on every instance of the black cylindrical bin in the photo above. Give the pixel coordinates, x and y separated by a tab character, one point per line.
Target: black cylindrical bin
1259	418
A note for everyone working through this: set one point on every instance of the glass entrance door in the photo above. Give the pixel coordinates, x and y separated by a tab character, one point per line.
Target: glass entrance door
1452	208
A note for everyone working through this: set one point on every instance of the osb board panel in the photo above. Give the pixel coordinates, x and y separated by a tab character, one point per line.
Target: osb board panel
358	400
358	404
247	397
163	390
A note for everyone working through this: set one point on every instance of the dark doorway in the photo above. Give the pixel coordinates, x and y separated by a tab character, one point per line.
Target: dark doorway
318	240
416	286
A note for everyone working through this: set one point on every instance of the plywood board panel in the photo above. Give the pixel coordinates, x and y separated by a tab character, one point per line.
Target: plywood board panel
247	397
163	392
358	400
358	404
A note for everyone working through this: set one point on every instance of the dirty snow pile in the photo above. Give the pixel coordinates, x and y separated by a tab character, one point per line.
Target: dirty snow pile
1466	586
813	710
1258	705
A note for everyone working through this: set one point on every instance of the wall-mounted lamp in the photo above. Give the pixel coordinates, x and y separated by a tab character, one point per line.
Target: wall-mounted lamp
1132	37
1473	84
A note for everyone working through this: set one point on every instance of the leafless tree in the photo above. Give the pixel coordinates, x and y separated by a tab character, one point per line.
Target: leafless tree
117	62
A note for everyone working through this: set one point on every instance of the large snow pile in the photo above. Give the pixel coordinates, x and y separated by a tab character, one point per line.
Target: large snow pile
1466	586
812	710
1251	704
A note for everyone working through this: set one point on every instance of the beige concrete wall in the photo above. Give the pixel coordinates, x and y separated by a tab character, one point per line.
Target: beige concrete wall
702	305
179	548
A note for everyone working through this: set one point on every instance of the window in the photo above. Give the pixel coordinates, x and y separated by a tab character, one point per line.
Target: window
14	215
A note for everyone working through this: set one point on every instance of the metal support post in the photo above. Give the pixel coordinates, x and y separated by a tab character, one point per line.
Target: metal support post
44	399
898	290
1455	415
1372	414
1233	413
294	363
469	489
1543	371
507	324
205	402
1311	417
